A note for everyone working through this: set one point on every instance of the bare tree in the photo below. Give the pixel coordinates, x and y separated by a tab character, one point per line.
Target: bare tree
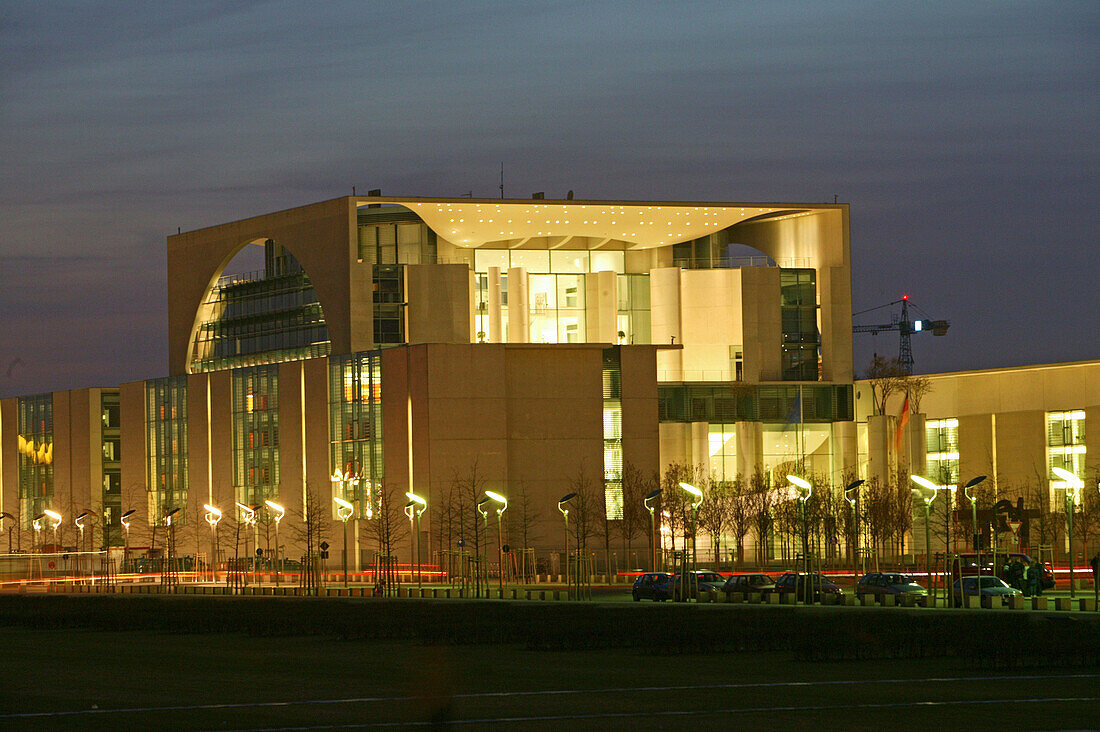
714	514
740	515
761	503
387	529
309	532
886	376
523	517
635	515
587	509
916	388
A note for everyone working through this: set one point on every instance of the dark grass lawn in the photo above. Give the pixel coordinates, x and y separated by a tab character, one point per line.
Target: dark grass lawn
145	680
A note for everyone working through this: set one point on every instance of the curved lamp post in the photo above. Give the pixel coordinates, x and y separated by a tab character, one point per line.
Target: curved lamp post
248	516
344	511
420	506
503	501
213	516
36	524
126	534
652	495
79	521
279	513
927	493
485	525
805	490
1073	492
696	499
851	495
565	515
55	524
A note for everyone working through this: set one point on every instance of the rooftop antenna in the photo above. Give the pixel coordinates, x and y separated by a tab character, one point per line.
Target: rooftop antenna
353	190
569	196
502	179
834	198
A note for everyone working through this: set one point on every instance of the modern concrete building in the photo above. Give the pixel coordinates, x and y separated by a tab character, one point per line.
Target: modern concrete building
1011	424
412	344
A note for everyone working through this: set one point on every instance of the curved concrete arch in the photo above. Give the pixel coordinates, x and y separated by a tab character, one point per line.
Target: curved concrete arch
203	313
321	238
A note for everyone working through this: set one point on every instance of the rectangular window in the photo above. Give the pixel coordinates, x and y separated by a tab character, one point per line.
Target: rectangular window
1065	449
942	437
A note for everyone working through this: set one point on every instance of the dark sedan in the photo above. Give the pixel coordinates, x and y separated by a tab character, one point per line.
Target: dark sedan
889	583
802	585
700	581
754	583
653	586
994	588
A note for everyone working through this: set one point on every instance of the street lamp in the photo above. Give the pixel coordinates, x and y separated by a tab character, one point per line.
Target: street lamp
170	570
697	498
485	525
565	515
419	508
652	527
1073	490
213	516
503	501
974	512
344	511
927	493
36	524
279	513
79	521
55	519
805	489
6	515
849	492
248	515
126	538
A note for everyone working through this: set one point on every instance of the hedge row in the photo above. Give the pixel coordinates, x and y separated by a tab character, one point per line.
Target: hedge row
1000	639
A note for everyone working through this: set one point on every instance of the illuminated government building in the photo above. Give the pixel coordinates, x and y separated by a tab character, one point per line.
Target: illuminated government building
410	342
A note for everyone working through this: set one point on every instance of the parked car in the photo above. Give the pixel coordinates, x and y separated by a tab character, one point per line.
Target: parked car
802	584
699	581
889	583
967	565
759	583
653	586
993	587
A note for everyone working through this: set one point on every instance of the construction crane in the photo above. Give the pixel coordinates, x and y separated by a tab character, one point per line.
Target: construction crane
905	328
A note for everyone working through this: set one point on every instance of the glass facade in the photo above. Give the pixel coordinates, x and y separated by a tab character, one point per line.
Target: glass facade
394	235
256	433
35	460
723	402
612	434
355	426
166	434
633	312
388	281
556	305
110	426
1065	449
261	317
942	437
801	352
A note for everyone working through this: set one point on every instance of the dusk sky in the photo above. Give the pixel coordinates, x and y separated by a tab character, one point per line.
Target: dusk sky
965	136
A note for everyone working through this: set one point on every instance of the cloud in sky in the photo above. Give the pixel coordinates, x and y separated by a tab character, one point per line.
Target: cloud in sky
964	136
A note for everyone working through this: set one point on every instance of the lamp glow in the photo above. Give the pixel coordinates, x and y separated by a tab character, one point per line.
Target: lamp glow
279	510
499	499
53	516
695	492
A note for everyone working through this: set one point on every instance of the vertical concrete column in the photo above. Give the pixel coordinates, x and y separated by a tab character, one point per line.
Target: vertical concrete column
601	305
700	446
914	447
664	295
494	335
750	447
845	448
881	460
519	330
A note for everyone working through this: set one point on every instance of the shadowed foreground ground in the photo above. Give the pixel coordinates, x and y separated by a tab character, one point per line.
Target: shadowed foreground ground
81	679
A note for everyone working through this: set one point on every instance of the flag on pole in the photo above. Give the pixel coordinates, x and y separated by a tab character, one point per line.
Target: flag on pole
903	419
794	411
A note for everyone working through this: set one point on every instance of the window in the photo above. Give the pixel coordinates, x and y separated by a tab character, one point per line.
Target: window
1065	449
942	451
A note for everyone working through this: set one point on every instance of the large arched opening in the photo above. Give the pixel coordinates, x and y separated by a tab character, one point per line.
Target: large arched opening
260	307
